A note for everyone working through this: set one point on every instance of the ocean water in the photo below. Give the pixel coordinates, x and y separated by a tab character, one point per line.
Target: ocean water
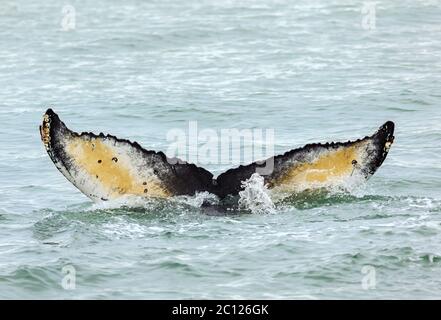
312	70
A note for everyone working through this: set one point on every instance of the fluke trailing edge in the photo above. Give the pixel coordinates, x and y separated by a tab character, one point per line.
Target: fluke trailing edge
104	167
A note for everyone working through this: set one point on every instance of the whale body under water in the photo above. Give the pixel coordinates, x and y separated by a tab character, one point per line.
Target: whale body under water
104	167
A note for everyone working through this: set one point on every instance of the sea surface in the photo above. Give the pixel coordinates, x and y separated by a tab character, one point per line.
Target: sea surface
314	71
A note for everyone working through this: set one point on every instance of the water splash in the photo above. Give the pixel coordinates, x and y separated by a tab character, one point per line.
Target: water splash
132	201
129	201
198	200
255	196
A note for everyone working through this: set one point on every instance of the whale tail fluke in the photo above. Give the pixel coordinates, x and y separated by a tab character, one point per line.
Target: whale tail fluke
104	167
316	166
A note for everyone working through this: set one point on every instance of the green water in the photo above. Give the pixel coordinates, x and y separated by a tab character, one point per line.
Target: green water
307	69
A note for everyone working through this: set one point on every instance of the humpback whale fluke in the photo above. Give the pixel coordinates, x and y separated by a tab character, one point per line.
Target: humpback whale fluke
317	165
104	167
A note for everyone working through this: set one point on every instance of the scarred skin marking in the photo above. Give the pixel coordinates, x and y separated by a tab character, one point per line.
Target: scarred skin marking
117	178
328	167
45	131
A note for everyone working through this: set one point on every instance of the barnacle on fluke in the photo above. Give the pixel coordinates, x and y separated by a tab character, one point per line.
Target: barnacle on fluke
104	167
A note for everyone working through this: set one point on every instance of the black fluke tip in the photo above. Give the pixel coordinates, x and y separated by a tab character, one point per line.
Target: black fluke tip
50	112
389	126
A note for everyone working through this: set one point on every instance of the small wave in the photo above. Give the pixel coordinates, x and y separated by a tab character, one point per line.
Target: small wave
121	228
124	202
198	200
310	199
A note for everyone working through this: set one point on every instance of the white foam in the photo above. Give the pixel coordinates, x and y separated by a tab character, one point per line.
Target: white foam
133	201
130	201
198	199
